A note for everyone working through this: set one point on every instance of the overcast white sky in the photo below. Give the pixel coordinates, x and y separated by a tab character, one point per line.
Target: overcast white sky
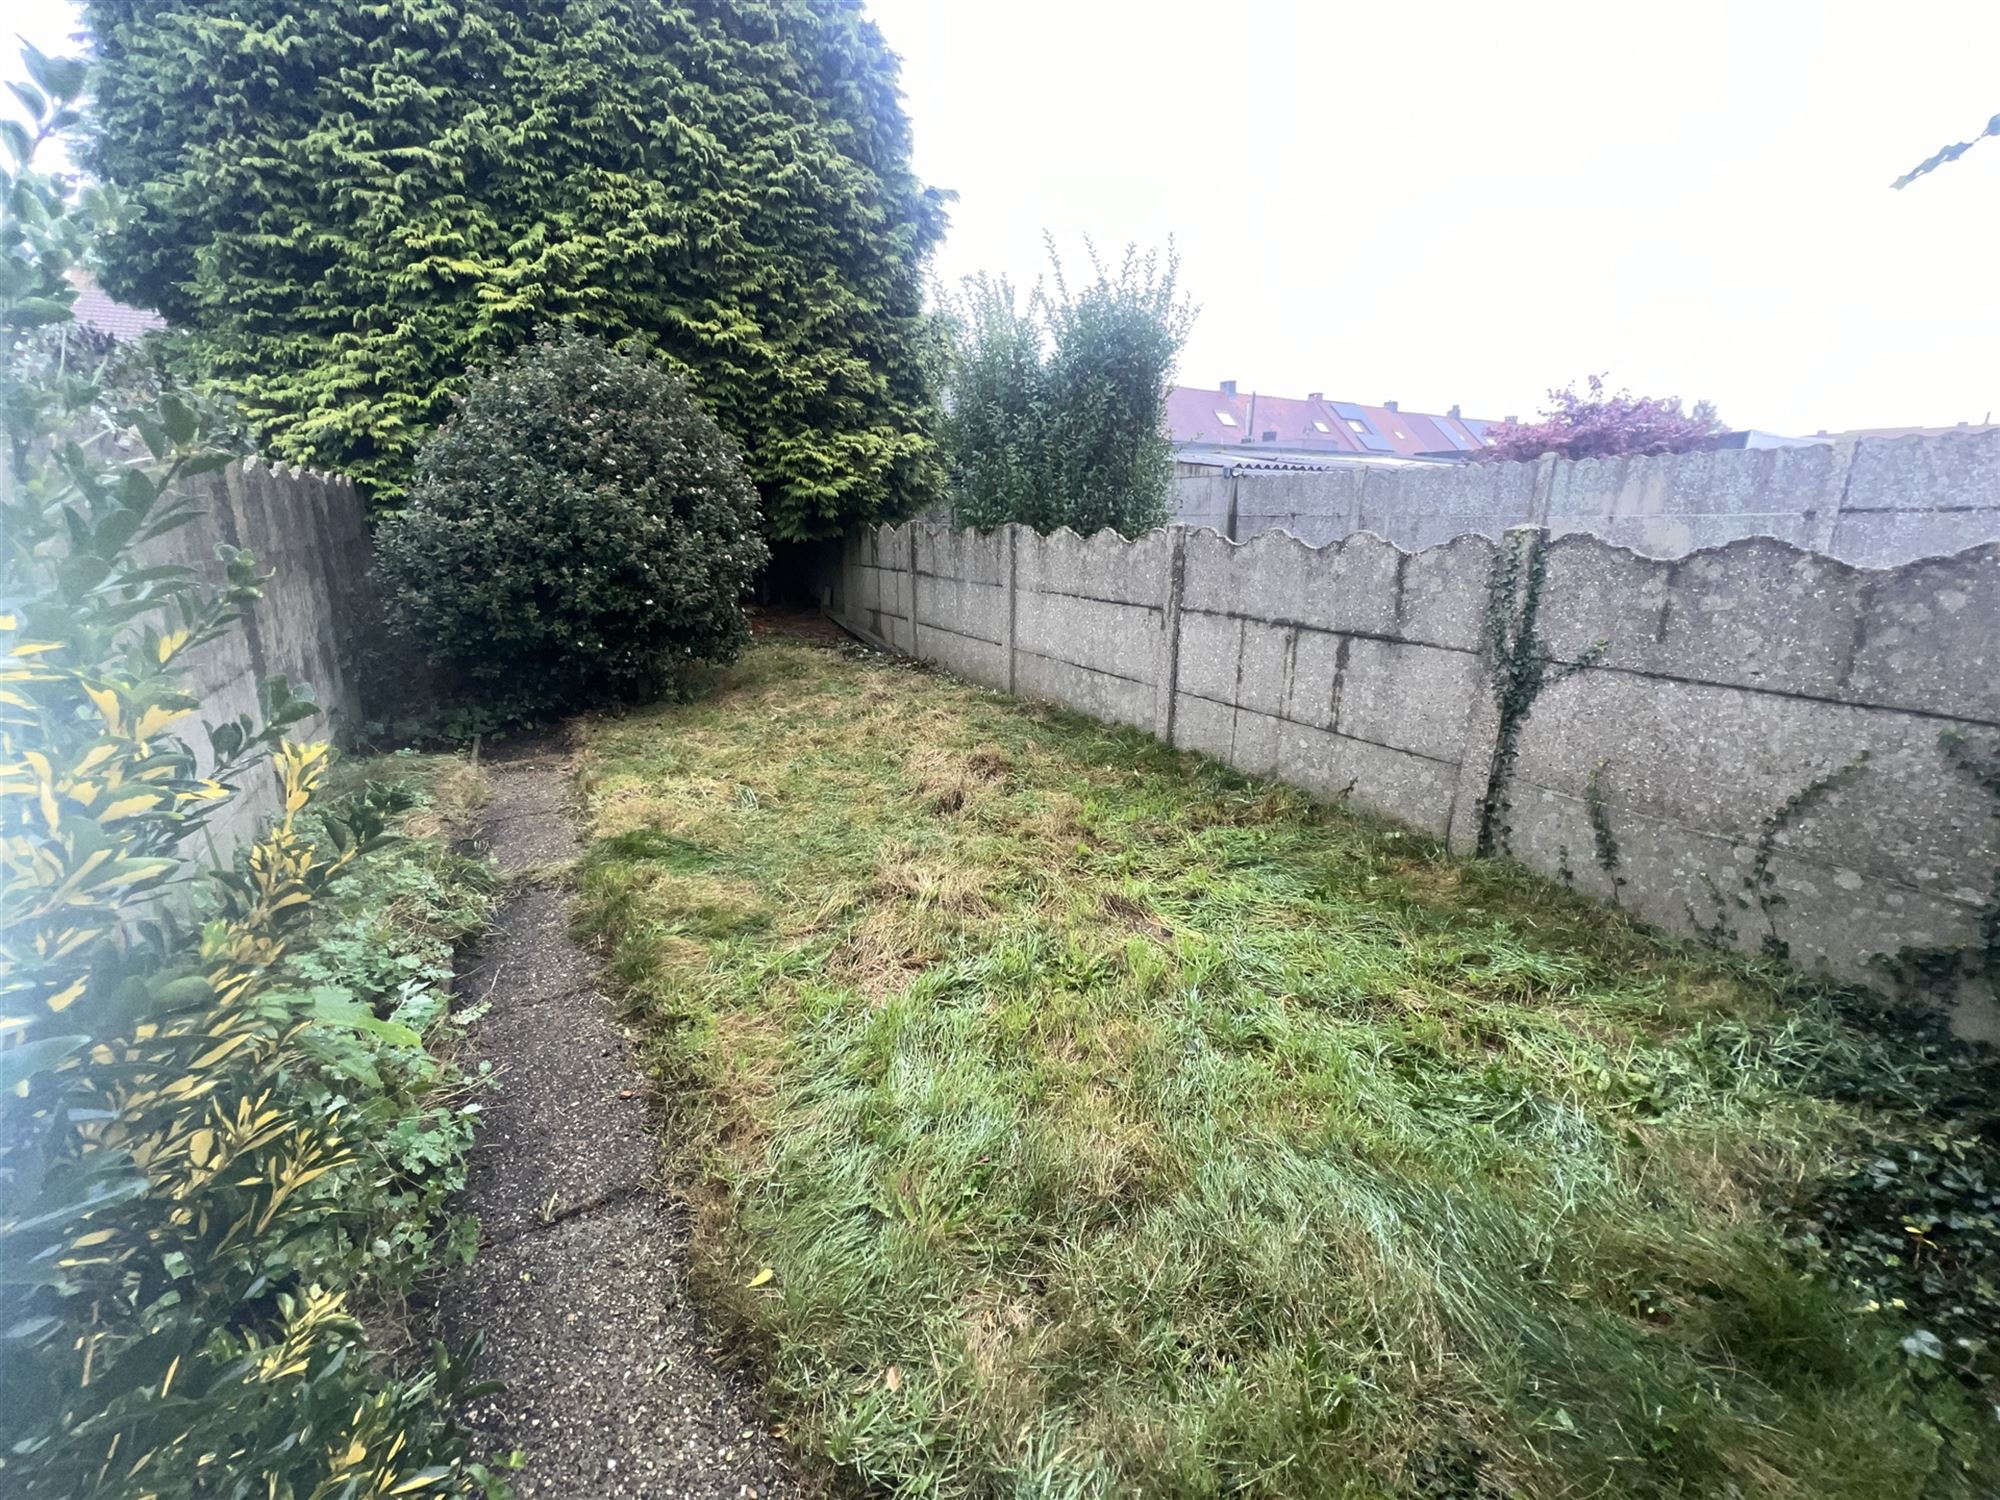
1471	200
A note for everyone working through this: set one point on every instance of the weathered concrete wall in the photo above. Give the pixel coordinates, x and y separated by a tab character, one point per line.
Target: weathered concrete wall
1687	703
1874	502
1354	671
309	533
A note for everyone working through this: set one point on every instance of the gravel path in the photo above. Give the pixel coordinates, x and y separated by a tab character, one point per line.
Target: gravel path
580	1287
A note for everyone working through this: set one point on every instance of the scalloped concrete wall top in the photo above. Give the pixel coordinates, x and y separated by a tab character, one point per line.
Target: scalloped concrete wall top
1706	693
1875	502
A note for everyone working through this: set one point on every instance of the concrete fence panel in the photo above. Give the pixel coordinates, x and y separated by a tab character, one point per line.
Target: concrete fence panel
1089	620
1876	502
309	533
1757	744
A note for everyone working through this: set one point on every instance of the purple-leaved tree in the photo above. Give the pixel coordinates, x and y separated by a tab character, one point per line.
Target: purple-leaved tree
1605	424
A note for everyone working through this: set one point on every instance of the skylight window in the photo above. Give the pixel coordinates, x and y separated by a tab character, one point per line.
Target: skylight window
1358	421
1321	426
1225	419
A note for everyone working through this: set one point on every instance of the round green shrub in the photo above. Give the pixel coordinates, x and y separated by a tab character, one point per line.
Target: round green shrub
580	531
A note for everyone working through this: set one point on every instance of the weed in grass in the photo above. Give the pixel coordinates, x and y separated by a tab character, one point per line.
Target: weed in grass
377	962
1116	1124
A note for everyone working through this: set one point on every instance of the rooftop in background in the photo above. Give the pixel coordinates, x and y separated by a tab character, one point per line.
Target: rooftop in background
98	309
1823	436
1277	456
1753	438
1224	419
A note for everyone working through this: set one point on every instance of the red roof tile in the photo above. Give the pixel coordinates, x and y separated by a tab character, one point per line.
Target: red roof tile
97	308
1196	415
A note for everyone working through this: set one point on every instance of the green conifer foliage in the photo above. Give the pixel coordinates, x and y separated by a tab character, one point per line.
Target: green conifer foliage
348	203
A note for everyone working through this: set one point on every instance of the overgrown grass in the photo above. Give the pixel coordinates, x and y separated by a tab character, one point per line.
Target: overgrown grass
1111	1123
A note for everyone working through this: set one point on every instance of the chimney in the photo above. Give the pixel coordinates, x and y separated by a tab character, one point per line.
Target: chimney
1228	387
1453	413
1510	419
1390	406
1315	395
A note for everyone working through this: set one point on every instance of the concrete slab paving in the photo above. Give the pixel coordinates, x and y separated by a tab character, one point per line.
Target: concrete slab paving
528	840
610	1386
529	951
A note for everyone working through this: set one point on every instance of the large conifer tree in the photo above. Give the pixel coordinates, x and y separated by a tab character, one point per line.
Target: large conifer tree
346	203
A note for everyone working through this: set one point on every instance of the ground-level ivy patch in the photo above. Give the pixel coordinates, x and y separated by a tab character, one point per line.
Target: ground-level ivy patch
1066	1116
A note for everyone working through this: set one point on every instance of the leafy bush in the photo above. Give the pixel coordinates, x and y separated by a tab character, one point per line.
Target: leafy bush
344	205
581	530
375	963
1055	414
123	374
172	1322
1908	1220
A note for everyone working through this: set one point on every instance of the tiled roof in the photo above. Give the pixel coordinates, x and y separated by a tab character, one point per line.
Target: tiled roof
1209	456
97	308
1312	423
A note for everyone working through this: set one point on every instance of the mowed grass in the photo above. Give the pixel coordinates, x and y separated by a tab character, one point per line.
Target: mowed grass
1109	1123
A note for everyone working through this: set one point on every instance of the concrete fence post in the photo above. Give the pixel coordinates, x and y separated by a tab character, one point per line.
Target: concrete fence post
234	491
1833	497
1545	489
910	554
1475	773
1013	596
1167	658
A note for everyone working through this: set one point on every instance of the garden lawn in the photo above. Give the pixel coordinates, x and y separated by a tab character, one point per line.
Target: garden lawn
1068	1116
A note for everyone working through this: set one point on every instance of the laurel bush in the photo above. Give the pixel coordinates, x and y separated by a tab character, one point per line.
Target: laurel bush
581	531
182	1185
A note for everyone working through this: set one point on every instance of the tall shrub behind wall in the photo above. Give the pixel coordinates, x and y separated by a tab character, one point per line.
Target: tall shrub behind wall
1055	410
